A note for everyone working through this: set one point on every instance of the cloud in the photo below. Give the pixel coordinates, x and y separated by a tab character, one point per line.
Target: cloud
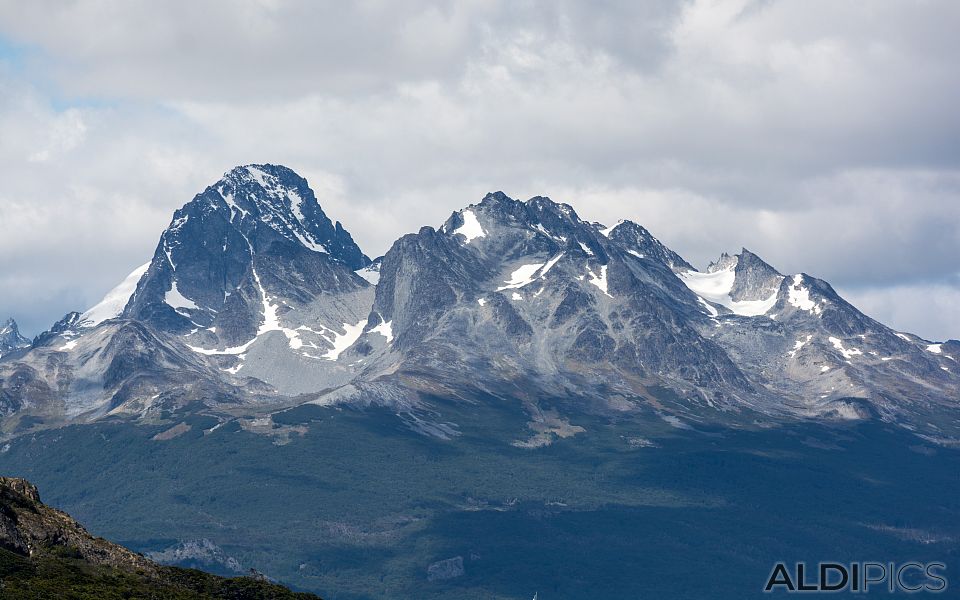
929	310
820	135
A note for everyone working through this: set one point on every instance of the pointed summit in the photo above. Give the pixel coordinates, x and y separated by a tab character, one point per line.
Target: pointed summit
10	338
754	279
276	196
257	232
742	283
641	243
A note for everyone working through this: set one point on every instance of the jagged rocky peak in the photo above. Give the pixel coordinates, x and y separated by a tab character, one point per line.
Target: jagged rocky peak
498	212
252	198
257	233
277	196
503	229
740	283
10	337
67	326
533	283
754	279
726	262
641	243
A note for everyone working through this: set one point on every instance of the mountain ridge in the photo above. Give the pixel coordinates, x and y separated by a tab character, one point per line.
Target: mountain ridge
259	300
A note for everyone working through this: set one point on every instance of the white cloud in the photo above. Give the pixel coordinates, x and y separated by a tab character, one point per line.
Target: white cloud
927	310
819	134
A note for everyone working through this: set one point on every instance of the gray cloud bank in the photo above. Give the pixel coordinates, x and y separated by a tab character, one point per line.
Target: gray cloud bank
821	135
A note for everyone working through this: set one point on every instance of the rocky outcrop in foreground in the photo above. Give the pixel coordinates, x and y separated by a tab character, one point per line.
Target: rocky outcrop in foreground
45	553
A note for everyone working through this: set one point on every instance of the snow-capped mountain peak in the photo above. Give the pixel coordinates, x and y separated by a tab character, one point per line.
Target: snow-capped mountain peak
279	198
257	219
252	294
115	300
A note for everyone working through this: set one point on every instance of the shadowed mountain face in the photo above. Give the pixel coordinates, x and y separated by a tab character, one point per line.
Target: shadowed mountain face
258	231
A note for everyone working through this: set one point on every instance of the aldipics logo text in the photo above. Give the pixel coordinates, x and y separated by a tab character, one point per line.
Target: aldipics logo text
863	577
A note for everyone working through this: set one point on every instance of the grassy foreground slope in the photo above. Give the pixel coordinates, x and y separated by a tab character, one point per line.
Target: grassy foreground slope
45	554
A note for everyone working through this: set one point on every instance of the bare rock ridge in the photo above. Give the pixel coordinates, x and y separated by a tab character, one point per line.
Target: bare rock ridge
30	528
255	299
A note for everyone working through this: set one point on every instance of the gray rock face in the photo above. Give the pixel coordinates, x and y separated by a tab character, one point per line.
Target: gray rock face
10	338
754	279
253	275
638	241
202	553
525	299
450	568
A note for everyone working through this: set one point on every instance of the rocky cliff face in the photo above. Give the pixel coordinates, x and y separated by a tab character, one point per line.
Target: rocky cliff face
45	553
30	528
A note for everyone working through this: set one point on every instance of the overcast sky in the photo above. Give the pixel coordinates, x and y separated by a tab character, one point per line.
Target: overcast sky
824	136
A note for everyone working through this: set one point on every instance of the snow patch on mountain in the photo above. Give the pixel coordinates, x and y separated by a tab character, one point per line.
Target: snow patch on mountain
271	322
176	300
527	274
342	341
798	345
847	353
116	299
799	296
716	286
385	328
522	276
599	280
371	273
232	205
605	231
713	312
471	228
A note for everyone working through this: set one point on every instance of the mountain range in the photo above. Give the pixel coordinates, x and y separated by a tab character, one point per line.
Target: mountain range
514	402
255	298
